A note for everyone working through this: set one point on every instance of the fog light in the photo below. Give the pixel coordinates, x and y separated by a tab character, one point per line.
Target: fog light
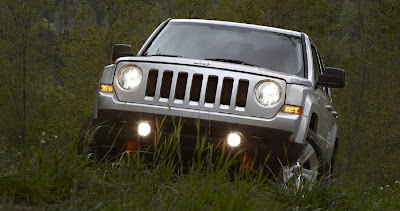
234	139
143	128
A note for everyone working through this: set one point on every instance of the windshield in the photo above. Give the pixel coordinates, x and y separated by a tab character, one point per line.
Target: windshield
233	44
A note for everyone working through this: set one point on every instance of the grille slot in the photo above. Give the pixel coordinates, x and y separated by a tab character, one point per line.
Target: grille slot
226	92
166	84
151	83
181	86
211	90
241	96
195	90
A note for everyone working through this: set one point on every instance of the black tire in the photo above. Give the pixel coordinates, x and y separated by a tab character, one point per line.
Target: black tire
309	167
92	144
322	165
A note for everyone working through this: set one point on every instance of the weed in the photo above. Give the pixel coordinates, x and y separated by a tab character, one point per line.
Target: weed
53	175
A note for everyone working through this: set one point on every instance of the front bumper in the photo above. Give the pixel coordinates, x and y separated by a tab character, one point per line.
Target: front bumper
295	124
119	128
279	138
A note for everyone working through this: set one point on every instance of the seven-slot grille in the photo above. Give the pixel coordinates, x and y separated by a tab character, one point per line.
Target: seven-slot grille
189	88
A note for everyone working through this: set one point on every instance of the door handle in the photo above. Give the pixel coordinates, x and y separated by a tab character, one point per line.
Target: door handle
335	114
329	107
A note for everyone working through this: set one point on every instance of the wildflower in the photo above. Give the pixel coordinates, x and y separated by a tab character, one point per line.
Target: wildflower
380	188
89	156
43	133
387	186
55	137
42	141
397	182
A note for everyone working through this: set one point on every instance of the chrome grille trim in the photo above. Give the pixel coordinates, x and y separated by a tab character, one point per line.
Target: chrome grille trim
188	85
158	86
203	89
234	93
219	89
190	97
173	85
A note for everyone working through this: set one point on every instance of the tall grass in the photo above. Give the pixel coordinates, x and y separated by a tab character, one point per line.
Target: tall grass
53	175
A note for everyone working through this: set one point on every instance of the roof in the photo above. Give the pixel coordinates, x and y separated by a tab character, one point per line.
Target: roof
245	25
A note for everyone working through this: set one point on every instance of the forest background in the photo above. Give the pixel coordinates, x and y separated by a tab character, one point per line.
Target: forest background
53	52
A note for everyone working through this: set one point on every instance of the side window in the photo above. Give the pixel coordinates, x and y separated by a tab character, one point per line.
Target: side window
322	70
318	68
316	65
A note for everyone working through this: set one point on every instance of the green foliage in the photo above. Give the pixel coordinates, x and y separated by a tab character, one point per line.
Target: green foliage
321	194
51	175
368	121
23	66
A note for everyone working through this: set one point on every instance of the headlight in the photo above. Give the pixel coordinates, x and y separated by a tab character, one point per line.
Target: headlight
268	93
130	77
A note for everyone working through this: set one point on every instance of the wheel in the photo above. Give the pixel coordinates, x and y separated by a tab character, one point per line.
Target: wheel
93	145
309	167
87	144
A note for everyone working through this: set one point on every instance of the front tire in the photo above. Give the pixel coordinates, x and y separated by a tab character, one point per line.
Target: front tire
309	167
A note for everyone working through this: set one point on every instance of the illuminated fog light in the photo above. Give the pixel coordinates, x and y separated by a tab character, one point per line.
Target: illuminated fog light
144	129
234	139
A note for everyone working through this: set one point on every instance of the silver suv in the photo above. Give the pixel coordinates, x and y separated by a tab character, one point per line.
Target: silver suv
259	89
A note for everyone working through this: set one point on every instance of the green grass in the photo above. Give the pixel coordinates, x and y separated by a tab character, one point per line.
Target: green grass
52	175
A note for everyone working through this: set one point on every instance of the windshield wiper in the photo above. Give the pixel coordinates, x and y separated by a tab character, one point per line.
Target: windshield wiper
165	55
234	61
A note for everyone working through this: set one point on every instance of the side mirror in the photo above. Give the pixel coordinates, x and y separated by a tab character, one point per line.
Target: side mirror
121	50
332	78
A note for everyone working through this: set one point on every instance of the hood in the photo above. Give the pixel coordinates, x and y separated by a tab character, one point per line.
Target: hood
289	78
